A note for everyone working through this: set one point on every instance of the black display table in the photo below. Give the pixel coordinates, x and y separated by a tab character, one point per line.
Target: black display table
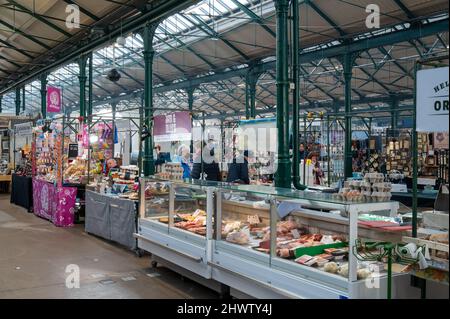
22	191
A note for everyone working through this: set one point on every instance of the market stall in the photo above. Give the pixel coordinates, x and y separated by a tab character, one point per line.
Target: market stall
21	185
52	200
112	191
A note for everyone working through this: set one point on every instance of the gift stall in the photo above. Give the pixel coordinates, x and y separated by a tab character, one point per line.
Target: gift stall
52	200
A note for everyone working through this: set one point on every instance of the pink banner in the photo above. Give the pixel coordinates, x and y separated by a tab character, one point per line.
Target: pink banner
175	126
56	204
53	99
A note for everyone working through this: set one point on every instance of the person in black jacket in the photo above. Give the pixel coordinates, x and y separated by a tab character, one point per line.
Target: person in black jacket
210	166
238	170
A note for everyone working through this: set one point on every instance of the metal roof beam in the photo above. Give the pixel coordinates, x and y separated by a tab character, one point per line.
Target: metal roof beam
214	33
256	18
83	10
41	19
25	35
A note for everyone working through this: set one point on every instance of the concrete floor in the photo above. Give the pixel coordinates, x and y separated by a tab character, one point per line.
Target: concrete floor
34	255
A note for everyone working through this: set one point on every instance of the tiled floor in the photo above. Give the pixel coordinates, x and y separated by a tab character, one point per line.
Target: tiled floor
34	255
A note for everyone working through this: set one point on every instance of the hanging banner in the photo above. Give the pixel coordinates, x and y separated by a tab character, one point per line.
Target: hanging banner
53	99
432	100
176	126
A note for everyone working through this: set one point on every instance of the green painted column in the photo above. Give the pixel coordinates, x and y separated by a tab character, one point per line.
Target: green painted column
17	101
1	98
251	79
394	114
252	93
247	100
23	99
190	93
44	81
90	79
149	53
283	174
82	79
347	61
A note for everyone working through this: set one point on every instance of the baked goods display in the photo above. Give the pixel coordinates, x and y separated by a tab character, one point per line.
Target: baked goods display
156	189
75	171
126	176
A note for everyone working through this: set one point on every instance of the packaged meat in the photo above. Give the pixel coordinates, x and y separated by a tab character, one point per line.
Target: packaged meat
325	256
321	262
231	226
304	259
238	237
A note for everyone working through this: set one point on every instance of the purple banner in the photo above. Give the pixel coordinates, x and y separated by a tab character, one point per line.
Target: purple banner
56	204
53	99
176	126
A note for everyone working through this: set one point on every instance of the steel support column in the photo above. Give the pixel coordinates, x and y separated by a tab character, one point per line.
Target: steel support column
149	53
90	92
347	63
17	101
283	174
44	81
190	93
82	79
296	96
23	98
1	98
251	79
394	114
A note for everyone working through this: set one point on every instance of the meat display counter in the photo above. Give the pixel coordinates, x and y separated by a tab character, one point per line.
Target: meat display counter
278	243
175	226
265	242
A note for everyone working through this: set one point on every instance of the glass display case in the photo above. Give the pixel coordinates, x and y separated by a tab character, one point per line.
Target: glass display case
297	244
176	222
267	242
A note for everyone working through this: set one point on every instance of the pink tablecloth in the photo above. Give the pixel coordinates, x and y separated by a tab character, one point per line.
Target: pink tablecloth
54	203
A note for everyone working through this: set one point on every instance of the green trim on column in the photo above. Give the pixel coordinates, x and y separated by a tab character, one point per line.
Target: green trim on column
1	98
348	60
44	81
17	101
283	174
82	79
149	53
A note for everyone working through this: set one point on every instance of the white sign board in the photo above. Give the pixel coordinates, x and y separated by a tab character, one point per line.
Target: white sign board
23	129
432	100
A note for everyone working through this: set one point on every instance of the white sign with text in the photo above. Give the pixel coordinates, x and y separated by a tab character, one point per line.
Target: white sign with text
432	100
